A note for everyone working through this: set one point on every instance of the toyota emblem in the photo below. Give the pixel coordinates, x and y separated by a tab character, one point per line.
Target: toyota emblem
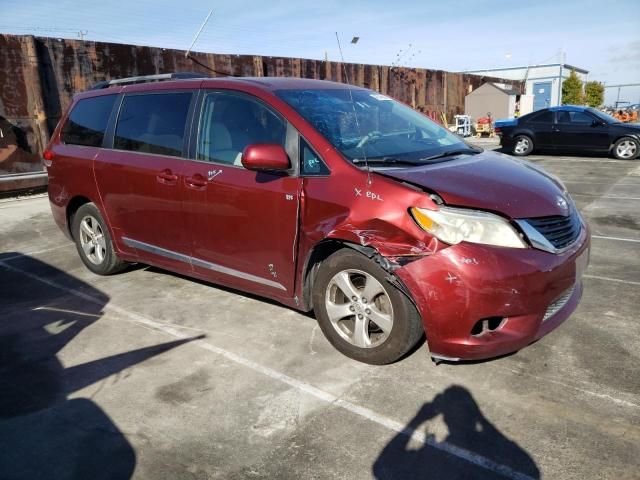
562	203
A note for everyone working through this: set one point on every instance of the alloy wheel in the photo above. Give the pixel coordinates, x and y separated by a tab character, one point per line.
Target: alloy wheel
92	240
359	308
626	149
522	145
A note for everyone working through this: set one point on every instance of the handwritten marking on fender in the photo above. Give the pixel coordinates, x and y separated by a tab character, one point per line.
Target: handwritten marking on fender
368	194
470	261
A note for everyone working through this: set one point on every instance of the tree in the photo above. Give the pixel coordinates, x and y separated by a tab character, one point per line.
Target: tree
594	93
572	90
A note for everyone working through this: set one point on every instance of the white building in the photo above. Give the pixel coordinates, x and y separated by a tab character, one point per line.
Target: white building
543	82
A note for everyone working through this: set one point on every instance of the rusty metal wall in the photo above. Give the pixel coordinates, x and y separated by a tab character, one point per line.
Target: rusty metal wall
38	77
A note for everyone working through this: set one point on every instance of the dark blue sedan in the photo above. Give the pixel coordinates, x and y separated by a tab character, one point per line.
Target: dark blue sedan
570	129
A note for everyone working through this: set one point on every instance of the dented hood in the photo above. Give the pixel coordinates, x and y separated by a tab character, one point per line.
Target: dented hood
489	181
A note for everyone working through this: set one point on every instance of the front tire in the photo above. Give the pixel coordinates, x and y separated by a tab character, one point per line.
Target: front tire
626	148
361	314
523	145
93	241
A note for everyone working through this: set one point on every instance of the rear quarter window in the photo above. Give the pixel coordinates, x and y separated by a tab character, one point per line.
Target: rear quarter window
88	121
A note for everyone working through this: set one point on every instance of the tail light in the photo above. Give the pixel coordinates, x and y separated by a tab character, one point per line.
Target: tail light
497	130
48	157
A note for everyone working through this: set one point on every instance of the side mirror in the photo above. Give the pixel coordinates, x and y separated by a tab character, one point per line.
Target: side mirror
265	156
597	123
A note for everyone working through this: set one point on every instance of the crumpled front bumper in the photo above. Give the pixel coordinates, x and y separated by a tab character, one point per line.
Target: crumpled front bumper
461	285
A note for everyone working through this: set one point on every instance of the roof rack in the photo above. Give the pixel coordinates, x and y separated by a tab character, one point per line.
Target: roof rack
148	78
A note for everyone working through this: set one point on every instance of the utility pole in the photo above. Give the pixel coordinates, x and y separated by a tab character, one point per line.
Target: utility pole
82	34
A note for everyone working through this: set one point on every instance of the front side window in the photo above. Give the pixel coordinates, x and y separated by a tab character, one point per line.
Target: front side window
153	123
580	118
363	124
88	121
229	122
603	116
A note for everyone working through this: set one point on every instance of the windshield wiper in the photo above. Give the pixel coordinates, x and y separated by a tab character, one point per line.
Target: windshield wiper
451	153
382	160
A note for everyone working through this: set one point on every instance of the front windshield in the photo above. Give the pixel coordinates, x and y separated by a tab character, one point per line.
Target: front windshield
373	126
604	116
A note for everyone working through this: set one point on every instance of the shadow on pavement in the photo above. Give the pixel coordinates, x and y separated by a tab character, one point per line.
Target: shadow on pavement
469	430
43	433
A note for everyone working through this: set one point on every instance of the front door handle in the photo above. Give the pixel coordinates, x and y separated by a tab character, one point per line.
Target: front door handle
167	177
196	181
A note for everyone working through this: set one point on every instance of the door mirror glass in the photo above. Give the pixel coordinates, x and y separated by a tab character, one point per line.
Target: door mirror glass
265	156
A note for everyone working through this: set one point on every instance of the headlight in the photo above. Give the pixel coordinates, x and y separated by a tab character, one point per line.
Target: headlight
454	225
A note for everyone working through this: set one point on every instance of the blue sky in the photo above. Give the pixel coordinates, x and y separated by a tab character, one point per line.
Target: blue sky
600	36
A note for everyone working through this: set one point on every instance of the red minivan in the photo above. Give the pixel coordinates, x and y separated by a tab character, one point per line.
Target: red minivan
324	197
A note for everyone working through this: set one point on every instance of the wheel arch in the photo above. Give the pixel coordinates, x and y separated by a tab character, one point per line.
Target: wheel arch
72	207
525	131
327	247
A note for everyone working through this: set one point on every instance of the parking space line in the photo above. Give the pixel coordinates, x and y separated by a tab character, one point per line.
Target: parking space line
612	183
366	413
619	239
604	196
576	160
609	279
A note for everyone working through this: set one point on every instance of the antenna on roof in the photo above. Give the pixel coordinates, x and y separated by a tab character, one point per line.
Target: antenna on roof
186	54
355	113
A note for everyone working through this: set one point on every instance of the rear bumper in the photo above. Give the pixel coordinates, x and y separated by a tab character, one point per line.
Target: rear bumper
462	285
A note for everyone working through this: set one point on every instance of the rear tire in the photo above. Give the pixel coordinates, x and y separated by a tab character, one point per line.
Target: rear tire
348	320
626	148
93	241
523	145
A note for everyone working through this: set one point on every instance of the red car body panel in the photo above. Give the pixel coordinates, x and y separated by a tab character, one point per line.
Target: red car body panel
465	283
242	220
255	231
489	181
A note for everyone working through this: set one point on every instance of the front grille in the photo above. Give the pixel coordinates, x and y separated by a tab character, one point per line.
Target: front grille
557	304
558	230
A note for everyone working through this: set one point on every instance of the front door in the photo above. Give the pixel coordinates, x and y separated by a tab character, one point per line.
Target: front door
243	224
576	130
140	178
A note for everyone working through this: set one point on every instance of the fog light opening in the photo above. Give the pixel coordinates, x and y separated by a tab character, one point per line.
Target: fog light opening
486	325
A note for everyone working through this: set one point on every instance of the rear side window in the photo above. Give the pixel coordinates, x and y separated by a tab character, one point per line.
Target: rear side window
153	123
544	117
88	121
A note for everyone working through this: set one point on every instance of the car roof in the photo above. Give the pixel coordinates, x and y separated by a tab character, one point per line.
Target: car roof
270	84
